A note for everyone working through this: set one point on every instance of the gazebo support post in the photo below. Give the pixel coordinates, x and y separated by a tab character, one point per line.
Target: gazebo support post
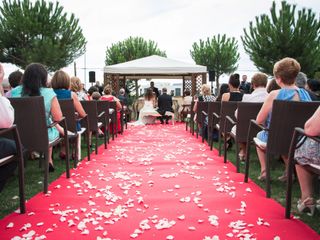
183	86
193	84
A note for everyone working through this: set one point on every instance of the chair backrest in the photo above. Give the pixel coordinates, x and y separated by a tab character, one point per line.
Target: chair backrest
104	106
213	107
68	111
90	107
286	115
201	106
227	109
30	118
246	112
113	105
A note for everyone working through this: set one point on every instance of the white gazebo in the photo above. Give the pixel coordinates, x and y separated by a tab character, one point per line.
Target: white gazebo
193	76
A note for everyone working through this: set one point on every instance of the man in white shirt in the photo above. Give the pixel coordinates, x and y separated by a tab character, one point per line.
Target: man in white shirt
259	83
7	146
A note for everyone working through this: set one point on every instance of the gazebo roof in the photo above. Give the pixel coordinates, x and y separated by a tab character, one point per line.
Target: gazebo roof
155	66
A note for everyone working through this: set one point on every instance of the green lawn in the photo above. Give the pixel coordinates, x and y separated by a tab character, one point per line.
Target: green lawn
34	185
278	189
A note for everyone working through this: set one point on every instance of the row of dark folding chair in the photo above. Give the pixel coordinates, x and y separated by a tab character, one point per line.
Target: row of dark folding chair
190	119
245	112
286	115
201	107
74	136
30	118
295	142
13	133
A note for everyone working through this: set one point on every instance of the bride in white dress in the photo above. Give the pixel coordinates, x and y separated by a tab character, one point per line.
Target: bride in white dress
148	113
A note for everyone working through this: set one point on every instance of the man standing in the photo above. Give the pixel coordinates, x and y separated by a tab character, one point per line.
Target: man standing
154	89
245	87
164	105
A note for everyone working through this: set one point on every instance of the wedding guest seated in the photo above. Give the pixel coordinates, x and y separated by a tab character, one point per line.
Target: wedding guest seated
14	80
272	85
60	83
205	97
224	88
77	87
165	105
91	90
7	147
259	83
301	82
110	98
285	72
313	85
308	153
184	108
34	83
234	93
96	96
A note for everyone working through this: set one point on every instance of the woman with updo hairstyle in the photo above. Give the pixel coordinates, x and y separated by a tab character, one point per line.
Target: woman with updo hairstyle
234	93
204	97
34	83
76	87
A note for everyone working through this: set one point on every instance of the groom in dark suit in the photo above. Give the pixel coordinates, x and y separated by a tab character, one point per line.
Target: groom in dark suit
164	104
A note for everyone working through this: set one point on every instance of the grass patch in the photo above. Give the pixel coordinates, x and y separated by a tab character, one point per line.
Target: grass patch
278	189
33	180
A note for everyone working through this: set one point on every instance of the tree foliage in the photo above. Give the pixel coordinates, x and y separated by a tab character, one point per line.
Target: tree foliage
130	49
219	54
285	33
39	32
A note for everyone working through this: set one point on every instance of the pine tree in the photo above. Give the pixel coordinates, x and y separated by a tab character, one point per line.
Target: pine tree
39	32
219	54
130	49
285	33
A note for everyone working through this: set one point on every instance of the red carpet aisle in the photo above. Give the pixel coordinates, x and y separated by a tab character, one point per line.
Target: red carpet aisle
154	182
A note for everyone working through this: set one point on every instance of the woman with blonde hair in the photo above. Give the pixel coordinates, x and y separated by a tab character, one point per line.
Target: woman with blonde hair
205	97
77	87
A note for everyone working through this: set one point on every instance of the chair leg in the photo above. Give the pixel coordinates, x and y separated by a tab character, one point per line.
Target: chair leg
67	159
96	147
88	145
268	177
105	140
289	188
46	171
192	128
246	175
237	156
220	133
225	148
21	184
112	128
